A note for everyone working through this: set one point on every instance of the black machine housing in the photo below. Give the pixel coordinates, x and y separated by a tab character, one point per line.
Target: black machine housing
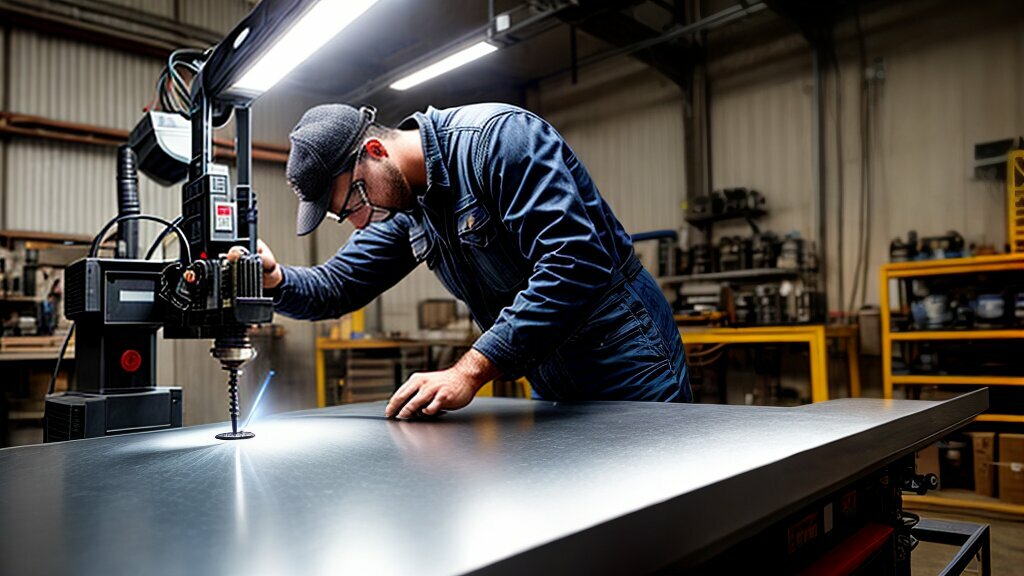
117	310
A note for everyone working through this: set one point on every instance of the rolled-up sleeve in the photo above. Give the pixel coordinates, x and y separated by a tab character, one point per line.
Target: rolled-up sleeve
373	260
523	167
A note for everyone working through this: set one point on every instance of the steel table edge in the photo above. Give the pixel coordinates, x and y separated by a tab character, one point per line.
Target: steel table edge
649	532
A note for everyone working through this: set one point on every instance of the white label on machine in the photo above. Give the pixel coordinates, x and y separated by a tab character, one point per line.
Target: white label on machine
224	220
135	296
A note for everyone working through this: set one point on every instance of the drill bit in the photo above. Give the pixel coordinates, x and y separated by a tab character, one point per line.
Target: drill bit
235	433
233	398
233	350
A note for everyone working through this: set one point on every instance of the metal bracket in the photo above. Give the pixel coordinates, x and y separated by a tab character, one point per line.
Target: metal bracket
973	539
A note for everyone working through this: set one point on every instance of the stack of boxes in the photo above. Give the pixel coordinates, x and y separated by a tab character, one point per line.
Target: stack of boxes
1011	468
998	461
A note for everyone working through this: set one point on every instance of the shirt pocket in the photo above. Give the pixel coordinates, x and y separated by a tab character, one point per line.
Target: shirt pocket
490	251
425	250
422	246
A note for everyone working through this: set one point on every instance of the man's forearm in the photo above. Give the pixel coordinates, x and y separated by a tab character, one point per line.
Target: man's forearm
307	293
476	368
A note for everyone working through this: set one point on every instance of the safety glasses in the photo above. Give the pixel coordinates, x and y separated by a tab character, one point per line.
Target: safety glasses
356	197
358	189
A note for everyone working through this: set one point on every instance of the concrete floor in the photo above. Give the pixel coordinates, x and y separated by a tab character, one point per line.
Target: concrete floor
1007	543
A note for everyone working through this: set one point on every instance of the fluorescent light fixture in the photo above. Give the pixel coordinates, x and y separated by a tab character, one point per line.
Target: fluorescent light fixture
446	64
318	25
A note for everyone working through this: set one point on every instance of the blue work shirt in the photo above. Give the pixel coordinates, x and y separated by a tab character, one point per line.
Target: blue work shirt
512	224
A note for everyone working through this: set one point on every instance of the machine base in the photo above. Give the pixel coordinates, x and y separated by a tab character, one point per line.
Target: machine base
240	435
74	415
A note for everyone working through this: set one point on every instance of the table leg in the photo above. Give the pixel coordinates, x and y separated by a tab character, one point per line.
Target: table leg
819	365
853	358
321	379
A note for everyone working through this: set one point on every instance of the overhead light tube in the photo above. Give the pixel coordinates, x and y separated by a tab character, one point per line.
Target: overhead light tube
446	64
318	25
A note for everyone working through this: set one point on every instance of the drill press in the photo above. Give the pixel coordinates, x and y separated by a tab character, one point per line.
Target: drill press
119	303
212	297
203	294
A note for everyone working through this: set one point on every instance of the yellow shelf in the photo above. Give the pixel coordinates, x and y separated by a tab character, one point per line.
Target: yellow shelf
988	504
930	267
1011	418
972	265
962	269
958	335
959	380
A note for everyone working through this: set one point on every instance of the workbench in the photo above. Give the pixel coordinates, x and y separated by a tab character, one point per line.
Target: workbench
815	336
501	487
39	361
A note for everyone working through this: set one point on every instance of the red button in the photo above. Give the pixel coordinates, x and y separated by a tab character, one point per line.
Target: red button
131	361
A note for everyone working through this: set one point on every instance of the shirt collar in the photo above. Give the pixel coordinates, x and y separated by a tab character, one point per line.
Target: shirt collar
437	174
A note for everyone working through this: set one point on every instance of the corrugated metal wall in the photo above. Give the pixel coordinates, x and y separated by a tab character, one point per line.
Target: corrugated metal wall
163	8
625	122
74	82
219	16
951	75
761	138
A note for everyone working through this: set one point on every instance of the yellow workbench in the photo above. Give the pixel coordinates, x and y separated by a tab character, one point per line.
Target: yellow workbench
814	335
325	344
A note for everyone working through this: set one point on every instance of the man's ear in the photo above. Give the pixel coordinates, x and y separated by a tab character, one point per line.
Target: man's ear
375	148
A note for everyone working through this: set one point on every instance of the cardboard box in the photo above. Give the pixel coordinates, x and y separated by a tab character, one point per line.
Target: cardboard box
984	458
1011	468
926	461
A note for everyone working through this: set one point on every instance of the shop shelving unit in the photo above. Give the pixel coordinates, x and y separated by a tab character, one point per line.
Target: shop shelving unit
903	271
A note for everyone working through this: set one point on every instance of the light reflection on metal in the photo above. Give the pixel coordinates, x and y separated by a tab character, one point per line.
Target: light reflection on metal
259	396
240	522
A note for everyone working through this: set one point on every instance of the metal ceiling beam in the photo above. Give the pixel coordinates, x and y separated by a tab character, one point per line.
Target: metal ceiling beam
715	20
610	24
815	19
672	59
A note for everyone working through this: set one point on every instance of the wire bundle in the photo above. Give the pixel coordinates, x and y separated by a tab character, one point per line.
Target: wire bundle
174	87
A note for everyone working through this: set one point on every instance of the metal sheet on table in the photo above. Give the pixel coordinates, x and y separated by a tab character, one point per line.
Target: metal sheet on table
503	486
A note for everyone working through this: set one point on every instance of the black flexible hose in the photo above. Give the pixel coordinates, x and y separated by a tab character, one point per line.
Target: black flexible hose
127	202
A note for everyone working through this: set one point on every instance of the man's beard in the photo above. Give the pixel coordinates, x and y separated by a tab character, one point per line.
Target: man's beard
396	192
386	188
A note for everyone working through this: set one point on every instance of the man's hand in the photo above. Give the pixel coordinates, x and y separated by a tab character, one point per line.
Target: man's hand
272	275
430	392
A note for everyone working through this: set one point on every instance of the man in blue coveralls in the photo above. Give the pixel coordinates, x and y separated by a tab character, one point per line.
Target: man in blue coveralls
495	203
